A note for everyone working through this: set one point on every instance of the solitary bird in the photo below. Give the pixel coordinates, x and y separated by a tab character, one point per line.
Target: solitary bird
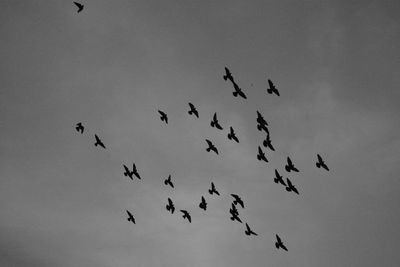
130	217
211	147
237	200
80	6
128	172
249	231
272	89
278	178
203	203
170	206
168	181
186	215
267	142
290	166
79	127
321	163
164	116
213	190
261	155
279	244
99	142
228	75
290	186
238	91
193	110
135	171
232	135
215	123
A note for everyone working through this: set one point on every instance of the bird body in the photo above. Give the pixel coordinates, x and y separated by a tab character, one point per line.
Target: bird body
164	116
320	163
272	89
211	147
193	110
99	142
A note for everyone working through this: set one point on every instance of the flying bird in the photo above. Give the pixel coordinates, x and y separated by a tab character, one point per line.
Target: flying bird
279	243
211	147
267	143
186	215
249	231
170	206
164	116
203	203
128	172
215	123
135	172
261	155
168	181
278	178
290	186
237	200
290	166
261	123
130	217
234	214
79	127
321	163
193	110
213	190
80	6
272	89
232	135
238	91
99	142
228	75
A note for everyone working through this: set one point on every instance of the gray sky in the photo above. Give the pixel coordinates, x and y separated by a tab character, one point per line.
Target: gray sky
63	201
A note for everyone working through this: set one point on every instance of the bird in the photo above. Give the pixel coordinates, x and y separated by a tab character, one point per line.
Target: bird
213	190
321	163
211	147
238	91
261	155
249	231
228	75
261	123
215	123
80	6
168	181
290	166
267	142
99	142
164	116
203	203
128	172
232	135
186	215
79	127
290	186
272	89
234	214
130	217
193	110
279	243
135	172
170	206
237	200
278	178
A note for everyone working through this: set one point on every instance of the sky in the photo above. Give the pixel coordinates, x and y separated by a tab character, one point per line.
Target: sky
112	66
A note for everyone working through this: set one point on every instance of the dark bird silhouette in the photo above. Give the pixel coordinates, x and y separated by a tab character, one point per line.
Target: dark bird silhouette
213	190
203	203
99	142
249	231
290	166
211	147
215	123
193	110
130	217
170	206
272	89
321	163
186	215
238	91
261	155
135	172
232	135
164	116
234	214
290	186
79	127
228	75
267	143
279	244
278	178
128	172
237	200
168	181
80	6
261	123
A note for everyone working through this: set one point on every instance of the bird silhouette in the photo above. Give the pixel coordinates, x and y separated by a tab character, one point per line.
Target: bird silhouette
211	147
130	217
267	143
272	89
237	200
279	244
79	127
261	155
203	203
290	186
228	75
80	6
99	142
193	110
186	215
238	91
213	190
234	214
164	116
128	172
168	181
249	231
215	123
278	178
232	135
135	171
290	166
261	123
320	163
170	206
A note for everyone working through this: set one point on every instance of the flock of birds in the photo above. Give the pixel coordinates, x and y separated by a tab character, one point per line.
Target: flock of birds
262	125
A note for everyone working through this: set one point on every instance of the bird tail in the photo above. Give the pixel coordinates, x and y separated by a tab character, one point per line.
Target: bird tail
235	94
288	189
229	136
287	168
212	124
275	180
208	149
276	245
225	77
318	165
190	112
258	157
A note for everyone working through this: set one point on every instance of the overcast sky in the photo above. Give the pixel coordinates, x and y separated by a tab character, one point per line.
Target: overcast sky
112	66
